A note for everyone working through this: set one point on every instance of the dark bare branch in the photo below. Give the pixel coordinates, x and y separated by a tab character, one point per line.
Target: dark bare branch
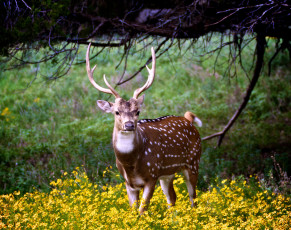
260	50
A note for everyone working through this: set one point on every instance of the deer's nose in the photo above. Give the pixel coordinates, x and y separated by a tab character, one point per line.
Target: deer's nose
129	126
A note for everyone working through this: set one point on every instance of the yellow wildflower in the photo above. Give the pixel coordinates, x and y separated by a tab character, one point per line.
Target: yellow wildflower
69	206
5	112
36	100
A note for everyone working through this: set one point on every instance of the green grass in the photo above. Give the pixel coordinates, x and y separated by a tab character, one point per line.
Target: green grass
54	126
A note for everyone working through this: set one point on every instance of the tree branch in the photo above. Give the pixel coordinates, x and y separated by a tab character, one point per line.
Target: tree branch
260	51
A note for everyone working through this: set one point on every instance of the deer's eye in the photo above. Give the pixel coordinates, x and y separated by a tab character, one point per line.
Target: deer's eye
137	113
117	113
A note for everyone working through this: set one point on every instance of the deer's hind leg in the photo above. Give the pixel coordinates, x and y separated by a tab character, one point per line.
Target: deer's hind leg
191	182
168	189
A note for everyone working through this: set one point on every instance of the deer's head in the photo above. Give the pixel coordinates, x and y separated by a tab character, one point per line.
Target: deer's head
126	112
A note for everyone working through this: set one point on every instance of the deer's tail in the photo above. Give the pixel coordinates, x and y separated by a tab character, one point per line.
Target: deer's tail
193	118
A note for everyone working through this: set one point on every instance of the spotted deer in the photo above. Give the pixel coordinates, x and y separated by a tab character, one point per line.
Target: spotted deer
151	149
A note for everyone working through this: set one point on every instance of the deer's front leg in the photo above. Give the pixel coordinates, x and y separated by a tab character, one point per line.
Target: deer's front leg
148	192
133	195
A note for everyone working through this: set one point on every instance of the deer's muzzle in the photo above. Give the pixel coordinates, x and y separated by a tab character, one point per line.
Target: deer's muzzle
129	126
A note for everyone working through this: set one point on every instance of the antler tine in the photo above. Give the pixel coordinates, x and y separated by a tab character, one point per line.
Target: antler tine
151	76
90	75
110	87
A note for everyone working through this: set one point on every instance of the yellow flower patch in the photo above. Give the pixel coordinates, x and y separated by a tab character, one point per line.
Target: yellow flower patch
75	203
6	114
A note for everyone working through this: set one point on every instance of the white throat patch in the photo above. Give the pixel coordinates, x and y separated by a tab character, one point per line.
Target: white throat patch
125	142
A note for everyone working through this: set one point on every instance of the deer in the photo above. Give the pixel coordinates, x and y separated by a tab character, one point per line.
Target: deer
149	150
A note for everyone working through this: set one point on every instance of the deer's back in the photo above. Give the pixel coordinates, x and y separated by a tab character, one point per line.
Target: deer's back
171	144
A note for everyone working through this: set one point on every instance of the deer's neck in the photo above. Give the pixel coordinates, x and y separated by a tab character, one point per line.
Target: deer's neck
126	142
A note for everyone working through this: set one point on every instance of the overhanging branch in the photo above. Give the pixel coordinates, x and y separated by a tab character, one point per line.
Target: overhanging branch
260	51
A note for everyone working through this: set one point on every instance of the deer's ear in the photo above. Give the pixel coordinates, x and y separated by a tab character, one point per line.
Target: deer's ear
140	100
105	106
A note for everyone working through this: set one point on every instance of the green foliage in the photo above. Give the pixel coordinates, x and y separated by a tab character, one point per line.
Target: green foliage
28	25
52	127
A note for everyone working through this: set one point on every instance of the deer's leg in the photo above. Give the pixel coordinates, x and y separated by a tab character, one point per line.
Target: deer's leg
168	189
148	192
133	195
191	181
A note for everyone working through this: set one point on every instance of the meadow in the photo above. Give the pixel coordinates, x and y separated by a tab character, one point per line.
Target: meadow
50	128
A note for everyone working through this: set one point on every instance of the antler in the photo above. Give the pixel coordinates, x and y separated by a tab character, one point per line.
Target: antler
151	76
90	75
